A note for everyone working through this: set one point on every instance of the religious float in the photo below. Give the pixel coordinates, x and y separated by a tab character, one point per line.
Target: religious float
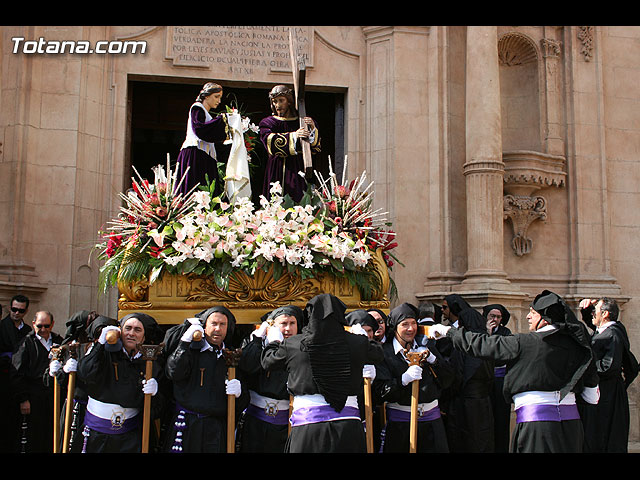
173	255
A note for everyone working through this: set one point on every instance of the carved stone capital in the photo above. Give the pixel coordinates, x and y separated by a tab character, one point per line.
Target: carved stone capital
550	48
523	210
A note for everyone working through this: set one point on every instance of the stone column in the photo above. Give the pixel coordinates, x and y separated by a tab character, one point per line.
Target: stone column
484	168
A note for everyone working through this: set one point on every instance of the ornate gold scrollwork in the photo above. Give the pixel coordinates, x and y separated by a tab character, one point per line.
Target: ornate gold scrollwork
261	287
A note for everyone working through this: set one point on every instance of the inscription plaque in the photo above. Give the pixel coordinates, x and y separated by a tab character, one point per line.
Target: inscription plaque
239	50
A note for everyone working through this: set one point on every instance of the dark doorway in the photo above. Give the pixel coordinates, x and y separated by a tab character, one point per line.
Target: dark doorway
159	116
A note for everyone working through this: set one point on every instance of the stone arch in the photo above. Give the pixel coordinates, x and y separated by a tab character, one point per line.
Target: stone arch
519	92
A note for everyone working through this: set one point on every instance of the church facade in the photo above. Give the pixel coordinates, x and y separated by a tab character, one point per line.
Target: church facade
506	157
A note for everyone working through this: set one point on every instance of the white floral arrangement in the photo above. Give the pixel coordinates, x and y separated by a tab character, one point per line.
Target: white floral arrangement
158	229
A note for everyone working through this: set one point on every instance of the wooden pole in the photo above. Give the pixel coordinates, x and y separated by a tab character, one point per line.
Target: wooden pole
413	428
146	422
56	416
71	387
232	358
414	358
149	353
56	353
231	415
68	411
368	408
368	414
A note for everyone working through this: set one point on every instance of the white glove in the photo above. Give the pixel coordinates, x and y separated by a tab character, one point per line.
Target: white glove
150	386
274	335
54	367
103	334
369	371
261	331
414	372
70	365
358	330
187	336
437	331
233	387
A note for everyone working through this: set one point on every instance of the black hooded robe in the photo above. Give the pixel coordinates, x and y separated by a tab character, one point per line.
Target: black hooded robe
111	376
327	360
265	428
469	411
388	387
554	359
82	327
198	376
501	408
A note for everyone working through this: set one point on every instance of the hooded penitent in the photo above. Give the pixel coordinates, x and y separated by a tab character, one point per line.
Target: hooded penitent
231	320
398	314
77	325
554	310
152	331
496	306
96	326
324	338
361	317
468	317
290	310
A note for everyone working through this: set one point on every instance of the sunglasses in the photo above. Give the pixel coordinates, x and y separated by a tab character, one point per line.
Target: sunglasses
18	310
39	327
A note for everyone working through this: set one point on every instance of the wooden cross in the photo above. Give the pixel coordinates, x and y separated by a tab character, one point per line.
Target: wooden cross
298	70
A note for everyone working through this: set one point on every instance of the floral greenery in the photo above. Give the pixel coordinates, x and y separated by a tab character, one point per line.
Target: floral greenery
332	229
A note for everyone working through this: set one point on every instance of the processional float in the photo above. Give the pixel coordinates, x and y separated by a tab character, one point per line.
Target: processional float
172	292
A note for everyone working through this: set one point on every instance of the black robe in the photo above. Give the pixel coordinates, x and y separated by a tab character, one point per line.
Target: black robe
326	437
606	425
548	361
114	377
467	404
257	435
30	381
200	418
501	408
388	387
10	337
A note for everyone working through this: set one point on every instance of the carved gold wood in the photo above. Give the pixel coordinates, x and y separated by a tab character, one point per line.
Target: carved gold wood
172	298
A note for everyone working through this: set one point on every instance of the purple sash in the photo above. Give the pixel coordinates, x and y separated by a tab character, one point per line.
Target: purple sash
395	415
322	413
499	372
108	426
546	413
278	417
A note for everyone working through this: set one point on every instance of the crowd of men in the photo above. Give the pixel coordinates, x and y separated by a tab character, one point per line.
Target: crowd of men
427	379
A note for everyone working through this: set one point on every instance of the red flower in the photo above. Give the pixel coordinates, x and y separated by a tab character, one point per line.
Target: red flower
156	251
112	245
